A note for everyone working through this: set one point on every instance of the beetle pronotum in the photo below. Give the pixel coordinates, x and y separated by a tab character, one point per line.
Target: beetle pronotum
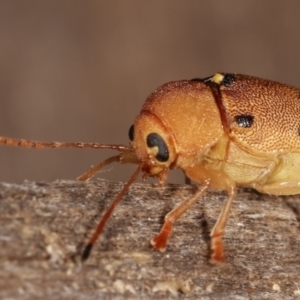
223	131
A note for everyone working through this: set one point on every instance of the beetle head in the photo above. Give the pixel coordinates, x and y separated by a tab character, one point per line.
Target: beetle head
152	144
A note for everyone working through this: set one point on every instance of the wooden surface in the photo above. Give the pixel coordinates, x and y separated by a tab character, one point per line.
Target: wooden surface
43	227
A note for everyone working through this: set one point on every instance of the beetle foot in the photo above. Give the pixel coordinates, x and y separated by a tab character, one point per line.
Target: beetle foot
160	241
217	256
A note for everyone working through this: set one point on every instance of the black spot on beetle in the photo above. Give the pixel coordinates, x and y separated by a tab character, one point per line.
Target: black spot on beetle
228	79
155	140
299	96
299	130
197	79
245	121
131	132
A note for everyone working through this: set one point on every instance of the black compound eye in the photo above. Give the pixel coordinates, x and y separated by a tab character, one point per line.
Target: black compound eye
155	140
131	132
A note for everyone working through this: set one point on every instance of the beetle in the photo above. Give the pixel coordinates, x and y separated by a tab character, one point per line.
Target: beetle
223	131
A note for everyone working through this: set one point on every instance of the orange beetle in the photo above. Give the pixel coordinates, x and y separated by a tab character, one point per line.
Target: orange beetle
223	131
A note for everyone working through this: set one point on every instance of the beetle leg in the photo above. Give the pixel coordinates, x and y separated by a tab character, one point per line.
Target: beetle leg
108	213
220	180
94	169
217	232
127	157
160	241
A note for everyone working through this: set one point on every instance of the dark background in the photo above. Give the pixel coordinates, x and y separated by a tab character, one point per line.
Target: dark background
81	70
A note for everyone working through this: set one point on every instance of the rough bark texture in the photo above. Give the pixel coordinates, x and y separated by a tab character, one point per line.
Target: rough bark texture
43	227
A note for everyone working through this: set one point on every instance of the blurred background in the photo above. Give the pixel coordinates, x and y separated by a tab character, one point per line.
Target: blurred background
81	70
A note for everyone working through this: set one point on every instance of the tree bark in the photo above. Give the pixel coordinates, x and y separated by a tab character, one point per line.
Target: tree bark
44	227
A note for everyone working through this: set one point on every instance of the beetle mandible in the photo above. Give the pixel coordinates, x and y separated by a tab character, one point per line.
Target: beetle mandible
223	131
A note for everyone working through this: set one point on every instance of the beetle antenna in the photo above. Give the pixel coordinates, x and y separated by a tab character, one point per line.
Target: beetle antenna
42	145
108	213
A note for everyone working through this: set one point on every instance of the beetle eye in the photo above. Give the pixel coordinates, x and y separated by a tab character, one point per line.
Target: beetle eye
155	140
131	132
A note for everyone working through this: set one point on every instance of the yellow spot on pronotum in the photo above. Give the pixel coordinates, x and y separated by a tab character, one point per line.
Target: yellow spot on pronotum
217	78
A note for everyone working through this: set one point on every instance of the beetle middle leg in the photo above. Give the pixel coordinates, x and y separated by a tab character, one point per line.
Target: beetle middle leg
160	241
216	234
220	180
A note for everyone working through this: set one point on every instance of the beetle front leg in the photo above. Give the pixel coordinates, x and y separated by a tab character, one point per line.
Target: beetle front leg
220	180
160	241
